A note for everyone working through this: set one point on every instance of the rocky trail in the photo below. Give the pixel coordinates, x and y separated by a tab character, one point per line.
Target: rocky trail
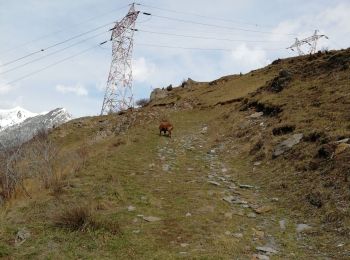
236	213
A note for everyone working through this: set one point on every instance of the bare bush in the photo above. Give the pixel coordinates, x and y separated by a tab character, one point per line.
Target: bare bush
12	167
12	173
42	154
83	153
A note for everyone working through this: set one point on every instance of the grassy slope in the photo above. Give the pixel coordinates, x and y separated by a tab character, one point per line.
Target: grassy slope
127	169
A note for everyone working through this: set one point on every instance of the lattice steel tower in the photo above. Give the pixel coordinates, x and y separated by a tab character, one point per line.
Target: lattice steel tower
311	41
119	93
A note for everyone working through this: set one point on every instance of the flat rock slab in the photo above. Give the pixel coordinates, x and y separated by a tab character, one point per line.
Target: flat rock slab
131	208
266	249
229	199
345	140
246	186
256	115
287	144
302	228
151	219
260	257
263	209
214	183
341	147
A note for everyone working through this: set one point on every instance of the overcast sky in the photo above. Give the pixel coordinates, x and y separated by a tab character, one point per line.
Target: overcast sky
246	35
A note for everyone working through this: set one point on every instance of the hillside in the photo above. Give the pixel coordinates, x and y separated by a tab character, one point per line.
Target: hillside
257	168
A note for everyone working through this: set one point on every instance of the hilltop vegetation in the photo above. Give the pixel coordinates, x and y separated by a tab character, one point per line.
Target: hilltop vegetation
258	166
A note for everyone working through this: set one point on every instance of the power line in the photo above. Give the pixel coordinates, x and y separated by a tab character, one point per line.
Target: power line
59	31
52	53
54	64
202	16
56	44
216	25
200	49
207	38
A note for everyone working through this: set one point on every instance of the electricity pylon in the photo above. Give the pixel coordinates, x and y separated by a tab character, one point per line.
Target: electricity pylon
119	93
311	41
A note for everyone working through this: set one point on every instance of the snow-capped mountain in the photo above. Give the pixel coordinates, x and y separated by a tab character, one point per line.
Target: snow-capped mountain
10	117
19	125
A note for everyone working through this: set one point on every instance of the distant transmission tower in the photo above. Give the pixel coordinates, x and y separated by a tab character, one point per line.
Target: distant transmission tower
311	41
119	94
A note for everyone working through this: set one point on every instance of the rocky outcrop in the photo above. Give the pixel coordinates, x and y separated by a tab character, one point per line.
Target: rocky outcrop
158	93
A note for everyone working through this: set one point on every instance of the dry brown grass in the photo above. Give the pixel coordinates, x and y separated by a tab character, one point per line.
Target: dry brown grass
83	218
75	218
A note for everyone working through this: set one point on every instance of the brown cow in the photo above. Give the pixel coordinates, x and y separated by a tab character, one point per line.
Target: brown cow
165	126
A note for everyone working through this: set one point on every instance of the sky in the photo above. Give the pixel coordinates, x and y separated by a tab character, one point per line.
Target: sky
198	39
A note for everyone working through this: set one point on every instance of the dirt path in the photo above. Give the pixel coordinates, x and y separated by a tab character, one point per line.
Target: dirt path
205	211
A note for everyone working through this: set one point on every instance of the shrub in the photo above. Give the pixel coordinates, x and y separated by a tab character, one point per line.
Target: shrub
169	88
142	102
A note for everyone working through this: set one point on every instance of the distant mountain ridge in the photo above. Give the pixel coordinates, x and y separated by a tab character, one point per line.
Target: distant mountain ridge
19	125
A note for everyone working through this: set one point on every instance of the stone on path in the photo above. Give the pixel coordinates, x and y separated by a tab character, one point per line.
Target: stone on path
260	257
214	183
266	249
341	148
246	186
22	235
256	115
302	227
151	219
237	235
282	224
251	215
345	140
131	208
165	167
229	199
263	209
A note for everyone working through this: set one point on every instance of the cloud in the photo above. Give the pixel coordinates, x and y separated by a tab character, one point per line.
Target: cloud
77	89
249	58
4	88
143	70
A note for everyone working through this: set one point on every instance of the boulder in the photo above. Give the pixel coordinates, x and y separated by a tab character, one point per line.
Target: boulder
287	144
